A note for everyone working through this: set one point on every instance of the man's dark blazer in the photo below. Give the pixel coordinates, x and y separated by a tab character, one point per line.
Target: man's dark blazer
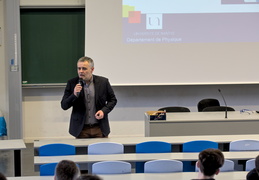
105	100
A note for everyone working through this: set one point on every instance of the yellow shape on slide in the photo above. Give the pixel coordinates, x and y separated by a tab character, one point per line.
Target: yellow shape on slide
126	9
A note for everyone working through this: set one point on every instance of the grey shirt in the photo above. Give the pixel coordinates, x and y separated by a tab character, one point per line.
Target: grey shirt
90	102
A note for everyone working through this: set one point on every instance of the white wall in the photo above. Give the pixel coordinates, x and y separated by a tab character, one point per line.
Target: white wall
3	77
43	117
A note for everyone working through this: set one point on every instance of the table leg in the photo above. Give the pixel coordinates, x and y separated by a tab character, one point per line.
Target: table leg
17	162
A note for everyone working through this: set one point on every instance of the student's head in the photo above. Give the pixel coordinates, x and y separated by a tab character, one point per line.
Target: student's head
209	162
85	68
257	163
2	177
66	170
89	177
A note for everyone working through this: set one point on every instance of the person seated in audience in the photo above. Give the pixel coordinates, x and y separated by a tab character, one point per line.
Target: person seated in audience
209	162
66	170
2	177
89	177
254	173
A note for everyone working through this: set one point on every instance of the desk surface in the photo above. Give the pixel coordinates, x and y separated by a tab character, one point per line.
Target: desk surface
174	176
135	157
13	144
201	123
16	145
135	140
208	116
236	175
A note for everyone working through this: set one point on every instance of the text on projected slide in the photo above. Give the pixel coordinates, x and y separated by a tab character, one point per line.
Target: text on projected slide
190	21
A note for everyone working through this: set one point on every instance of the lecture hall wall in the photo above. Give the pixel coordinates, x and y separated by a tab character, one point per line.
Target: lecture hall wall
3	72
43	117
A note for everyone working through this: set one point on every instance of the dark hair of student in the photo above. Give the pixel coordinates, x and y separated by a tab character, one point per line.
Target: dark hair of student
2	177
210	161
89	177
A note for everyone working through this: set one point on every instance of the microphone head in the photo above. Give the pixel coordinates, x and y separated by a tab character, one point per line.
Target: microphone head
219	90
81	81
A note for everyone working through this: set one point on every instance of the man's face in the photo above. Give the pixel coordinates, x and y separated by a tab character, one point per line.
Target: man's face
84	70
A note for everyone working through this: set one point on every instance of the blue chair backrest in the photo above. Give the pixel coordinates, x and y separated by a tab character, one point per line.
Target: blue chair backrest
57	149
105	148
227	166
244	145
153	147
111	167
163	166
196	146
48	169
199	145
250	164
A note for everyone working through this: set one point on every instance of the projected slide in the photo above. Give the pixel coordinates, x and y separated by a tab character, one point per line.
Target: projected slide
190	21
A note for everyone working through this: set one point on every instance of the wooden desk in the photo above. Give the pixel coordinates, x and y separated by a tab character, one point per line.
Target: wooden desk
236	175
203	123
16	145
136	157
130	142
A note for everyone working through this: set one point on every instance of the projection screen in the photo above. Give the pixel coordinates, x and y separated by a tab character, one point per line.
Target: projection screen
174	42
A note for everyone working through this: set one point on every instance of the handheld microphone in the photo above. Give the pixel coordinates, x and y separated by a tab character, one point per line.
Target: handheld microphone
226	111
81	82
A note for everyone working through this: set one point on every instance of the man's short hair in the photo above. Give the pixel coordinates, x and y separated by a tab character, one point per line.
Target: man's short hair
210	161
87	59
67	170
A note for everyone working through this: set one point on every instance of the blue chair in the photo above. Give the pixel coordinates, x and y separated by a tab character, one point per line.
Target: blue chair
48	169
196	146
111	167
199	145
250	164
163	166
105	148
244	145
151	147
227	166
57	149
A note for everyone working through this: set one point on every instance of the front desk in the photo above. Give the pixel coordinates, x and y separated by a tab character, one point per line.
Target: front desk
203	123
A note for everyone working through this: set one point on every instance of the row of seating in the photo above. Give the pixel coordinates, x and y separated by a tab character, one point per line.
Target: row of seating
158	166
154	166
146	147
205	105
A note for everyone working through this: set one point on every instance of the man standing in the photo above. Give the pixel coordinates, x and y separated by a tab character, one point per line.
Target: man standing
92	98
